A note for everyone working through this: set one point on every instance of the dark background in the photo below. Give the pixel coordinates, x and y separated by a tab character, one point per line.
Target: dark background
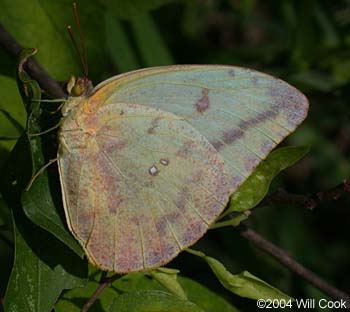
306	43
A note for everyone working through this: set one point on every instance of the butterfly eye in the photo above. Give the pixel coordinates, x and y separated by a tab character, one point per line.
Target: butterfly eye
82	86
77	90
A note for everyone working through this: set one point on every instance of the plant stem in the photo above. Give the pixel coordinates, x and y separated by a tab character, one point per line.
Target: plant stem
283	257
308	201
104	284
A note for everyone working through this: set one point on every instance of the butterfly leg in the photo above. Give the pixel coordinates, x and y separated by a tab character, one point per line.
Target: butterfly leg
39	172
58	109
45	131
50	101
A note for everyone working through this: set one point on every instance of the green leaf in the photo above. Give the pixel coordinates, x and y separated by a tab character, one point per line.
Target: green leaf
7	245
149	42
7	64
118	45
151	300
130	8
5	213
12	113
31	25
205	298
136	281
235	221
169	280
5	216
92	26
195	292
243	284
45	210
43	268
74	299
254	189
39	203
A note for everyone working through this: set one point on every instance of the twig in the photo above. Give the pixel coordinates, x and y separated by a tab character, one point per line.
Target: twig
283	257
104	284
307	201
32	67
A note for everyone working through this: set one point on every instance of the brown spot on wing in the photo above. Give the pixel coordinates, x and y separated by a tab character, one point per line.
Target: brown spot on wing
155	123
113	144
186	149
114	203
233	134
203	103
161	223
250	163
182	199
292	102
231	72
254	81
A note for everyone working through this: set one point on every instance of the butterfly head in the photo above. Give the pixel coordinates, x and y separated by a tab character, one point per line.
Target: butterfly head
78	89
79	86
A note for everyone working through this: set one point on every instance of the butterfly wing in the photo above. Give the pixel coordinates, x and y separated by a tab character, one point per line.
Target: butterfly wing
149	159
139	184
243	113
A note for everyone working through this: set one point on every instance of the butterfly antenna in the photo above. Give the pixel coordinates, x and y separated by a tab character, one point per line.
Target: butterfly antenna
83	52
76	47
80	50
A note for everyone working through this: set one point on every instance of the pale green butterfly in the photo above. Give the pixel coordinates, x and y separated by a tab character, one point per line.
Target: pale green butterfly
148	159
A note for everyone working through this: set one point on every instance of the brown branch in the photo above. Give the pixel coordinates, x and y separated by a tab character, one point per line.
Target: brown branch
282	256
13	48
104	284
307	201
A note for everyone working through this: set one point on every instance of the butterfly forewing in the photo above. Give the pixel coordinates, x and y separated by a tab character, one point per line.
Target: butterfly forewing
243	113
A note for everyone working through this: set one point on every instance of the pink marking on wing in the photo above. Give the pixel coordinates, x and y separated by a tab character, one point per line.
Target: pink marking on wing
203	103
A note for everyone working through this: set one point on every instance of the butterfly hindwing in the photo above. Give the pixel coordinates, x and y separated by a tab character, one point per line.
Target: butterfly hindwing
140	186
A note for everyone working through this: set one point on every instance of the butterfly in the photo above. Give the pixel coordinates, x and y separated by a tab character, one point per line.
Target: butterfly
148	159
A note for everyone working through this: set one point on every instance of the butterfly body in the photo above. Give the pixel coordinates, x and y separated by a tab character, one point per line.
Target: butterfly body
148	160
